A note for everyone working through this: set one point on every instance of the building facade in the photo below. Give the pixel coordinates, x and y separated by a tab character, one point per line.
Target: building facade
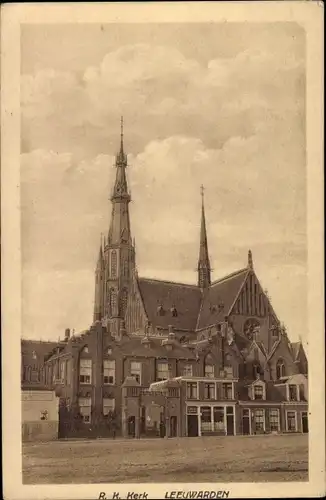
163	358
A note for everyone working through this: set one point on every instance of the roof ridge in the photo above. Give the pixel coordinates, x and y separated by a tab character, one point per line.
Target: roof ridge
228	276
169	282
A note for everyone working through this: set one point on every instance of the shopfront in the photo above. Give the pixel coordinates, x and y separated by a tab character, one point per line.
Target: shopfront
210	419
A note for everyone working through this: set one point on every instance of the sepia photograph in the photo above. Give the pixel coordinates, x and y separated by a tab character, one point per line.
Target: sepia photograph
164	242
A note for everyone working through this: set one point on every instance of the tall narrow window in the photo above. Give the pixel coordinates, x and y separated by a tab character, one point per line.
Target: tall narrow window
125	269
85	408
291	421
274	419
258	392
280	369
113	264
227	391
109	371
192	390
112	301
259	417
108	405
62	371
124	301
209	391
293	393
85	371
135	370
163	370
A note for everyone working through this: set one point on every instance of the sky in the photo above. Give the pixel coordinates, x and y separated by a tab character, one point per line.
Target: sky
218	104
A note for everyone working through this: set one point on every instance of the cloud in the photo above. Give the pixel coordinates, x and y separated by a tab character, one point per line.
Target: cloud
212	101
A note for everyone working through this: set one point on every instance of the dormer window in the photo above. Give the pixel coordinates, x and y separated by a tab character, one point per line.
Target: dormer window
34	355
258	392
85	349
174	311
109	351
293	393
160	310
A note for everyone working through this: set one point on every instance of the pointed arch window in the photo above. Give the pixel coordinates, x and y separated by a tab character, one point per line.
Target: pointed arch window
112	301
124	300
280	368
113	264
125	269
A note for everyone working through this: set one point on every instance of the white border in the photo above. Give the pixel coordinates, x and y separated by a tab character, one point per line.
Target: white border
307	14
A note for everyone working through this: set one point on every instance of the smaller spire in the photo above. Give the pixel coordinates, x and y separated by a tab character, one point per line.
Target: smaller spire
100	260
250	261
121	135
204	268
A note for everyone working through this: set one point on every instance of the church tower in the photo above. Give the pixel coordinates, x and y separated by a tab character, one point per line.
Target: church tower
119	252
204	267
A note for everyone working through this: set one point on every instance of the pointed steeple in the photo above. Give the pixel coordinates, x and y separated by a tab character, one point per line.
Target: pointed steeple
204	268
120	190
119	231
250	260
100	259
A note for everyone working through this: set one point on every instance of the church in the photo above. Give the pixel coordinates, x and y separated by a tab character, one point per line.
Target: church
168	359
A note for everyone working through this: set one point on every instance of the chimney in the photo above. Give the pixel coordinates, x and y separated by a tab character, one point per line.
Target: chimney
67	334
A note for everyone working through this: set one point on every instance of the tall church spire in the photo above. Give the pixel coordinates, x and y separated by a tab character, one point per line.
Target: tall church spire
119	255
119	231
204	268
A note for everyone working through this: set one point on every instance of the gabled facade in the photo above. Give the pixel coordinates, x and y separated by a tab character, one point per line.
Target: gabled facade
168	358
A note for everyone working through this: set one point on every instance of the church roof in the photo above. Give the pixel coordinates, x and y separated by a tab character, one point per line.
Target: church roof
134	346
220	297
185	298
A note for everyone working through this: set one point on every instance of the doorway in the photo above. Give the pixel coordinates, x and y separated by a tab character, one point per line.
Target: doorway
173	427
304	420
192	425
246	422
131	426
229	421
